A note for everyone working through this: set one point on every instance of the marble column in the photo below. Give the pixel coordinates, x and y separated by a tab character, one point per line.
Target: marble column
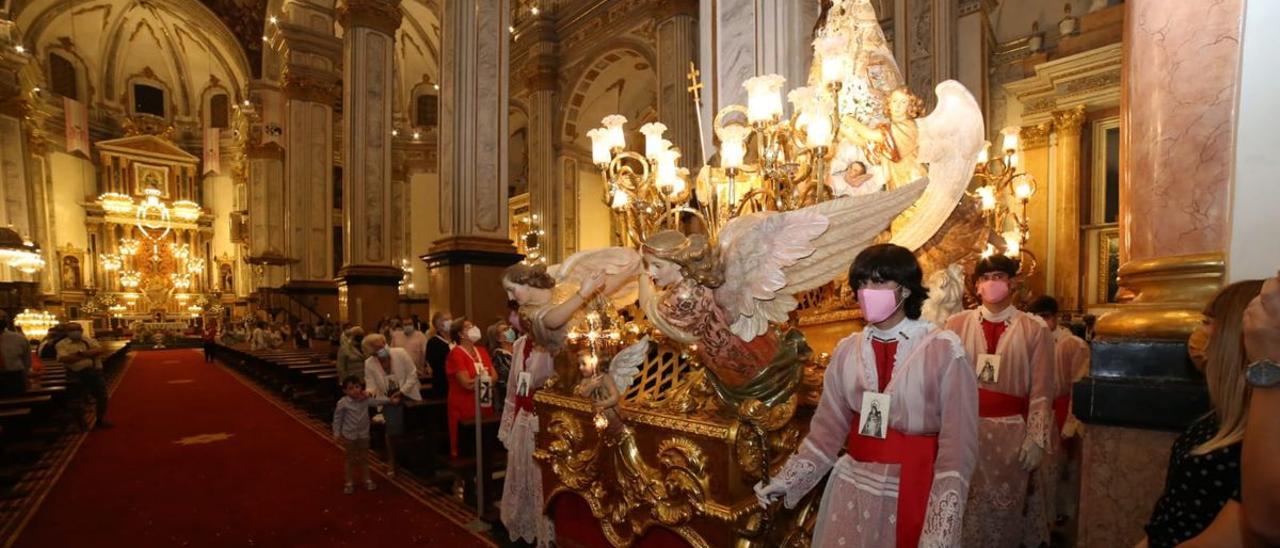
465	266
677	51
745	38
369	279
546	191
309	96
1066	210
1178	114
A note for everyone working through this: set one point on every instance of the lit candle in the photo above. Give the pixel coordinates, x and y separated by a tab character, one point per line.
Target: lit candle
733	145
818	128
834	52
1023	189
1012	243
600	146
613	124
1010	139
764	97
620	199
653	141
988	196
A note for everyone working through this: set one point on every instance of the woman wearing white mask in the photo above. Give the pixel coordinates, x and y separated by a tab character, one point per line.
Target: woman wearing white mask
903	483
386	372
469	369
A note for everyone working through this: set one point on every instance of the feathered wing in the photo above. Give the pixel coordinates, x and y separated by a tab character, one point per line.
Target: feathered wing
951	138
770	257
626	364
621	265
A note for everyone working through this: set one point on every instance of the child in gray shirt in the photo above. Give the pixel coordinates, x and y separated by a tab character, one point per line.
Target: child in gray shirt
351	428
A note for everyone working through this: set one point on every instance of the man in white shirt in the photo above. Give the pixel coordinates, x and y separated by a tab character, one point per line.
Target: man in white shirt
414	342
80	354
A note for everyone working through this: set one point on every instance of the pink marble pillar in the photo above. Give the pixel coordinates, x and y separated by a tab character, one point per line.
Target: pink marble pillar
1182	62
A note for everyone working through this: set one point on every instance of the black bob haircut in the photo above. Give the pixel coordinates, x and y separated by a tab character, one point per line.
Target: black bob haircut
353	379
1043	304
891	263
996	263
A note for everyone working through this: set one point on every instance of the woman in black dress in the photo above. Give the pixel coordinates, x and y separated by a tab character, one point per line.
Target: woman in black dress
1200	505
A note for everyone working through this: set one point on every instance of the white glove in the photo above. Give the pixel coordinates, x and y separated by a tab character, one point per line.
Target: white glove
1030	454
767	494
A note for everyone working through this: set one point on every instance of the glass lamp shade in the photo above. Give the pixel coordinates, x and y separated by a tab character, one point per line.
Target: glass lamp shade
600	146
733	146
653	138
613	125
837	65
764	97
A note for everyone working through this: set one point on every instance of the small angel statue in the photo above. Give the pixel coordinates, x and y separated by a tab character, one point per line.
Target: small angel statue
606	388
733	300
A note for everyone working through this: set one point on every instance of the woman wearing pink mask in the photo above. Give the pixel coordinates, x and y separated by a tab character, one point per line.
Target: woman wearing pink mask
1013	354
902	482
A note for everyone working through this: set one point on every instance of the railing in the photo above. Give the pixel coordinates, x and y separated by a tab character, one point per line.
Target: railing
275	301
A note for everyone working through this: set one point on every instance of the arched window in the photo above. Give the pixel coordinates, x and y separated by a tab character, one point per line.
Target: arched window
148	100
427	111
219	115
63	78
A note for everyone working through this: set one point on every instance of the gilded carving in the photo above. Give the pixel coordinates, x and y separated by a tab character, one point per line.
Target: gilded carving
1069	121
1036	136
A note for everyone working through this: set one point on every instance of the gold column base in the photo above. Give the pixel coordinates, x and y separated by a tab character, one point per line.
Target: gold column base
1164	296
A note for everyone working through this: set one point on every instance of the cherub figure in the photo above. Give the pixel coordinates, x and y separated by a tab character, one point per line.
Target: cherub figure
894	145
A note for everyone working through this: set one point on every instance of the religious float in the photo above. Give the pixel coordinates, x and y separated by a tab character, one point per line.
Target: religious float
692	361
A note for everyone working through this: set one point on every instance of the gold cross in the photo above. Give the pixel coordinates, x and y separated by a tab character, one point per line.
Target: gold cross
695	85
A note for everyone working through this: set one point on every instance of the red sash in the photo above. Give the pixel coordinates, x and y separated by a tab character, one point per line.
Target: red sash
1061	407
916	455
992	404
525	403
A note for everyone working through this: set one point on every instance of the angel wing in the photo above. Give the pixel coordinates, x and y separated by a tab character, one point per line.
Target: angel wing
626	364
769	257
951	137
621	266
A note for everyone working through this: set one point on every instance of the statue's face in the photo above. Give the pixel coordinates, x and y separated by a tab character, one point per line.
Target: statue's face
663	272
517	292
899	105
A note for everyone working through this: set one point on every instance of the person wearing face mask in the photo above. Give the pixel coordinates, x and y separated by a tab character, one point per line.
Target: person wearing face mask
1013	353
1054	494
414	342
501	337
80	355
438	348
388	371
904	485
470	373
351	358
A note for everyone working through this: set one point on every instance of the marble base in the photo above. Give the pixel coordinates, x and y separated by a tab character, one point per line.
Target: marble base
366	293
1122	473
465	277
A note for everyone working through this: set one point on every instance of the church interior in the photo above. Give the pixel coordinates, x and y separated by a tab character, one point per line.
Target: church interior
655	273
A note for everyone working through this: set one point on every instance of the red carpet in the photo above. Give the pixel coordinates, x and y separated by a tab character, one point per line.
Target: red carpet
273	482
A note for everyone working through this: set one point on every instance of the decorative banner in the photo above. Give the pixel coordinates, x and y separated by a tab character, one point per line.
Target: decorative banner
77	122
212	150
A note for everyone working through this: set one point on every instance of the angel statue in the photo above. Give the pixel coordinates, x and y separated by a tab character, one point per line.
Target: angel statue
549	301
732	301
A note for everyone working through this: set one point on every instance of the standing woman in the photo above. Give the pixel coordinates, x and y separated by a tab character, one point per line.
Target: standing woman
467	365
903	483
501	338
351	358
386	372
1200	505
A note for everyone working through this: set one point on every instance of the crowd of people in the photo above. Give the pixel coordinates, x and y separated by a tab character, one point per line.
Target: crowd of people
958	434
69	345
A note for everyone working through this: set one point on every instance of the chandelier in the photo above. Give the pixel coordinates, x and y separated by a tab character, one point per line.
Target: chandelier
787	171
35	325
130	279
1004	193
20	253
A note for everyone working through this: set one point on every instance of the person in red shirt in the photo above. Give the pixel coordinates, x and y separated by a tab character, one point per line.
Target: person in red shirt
471	375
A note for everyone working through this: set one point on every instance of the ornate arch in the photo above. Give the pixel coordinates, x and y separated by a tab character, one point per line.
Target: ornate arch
586	74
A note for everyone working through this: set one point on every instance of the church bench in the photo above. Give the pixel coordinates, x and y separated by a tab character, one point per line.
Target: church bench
21	401
494	458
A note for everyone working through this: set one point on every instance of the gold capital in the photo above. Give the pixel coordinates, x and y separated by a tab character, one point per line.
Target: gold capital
1069	121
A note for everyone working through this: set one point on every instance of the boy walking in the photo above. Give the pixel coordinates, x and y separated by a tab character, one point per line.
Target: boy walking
351	427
